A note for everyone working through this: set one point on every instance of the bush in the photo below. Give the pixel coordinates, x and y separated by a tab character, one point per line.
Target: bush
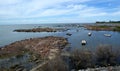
106	56
82	59
56	64
103	56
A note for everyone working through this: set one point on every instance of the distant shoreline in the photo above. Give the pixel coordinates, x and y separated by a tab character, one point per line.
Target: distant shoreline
103	27
109	22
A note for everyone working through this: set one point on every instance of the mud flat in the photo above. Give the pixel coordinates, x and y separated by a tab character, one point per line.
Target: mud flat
37	48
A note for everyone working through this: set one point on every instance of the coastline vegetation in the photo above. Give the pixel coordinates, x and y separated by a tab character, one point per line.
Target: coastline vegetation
103	27
36	30
38	45
57	64
80	59
84	59
38	49
102	57
45	29
117	28
109	22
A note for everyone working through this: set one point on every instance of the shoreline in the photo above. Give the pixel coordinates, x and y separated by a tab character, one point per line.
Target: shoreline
34	44
44	48
39	50
103	27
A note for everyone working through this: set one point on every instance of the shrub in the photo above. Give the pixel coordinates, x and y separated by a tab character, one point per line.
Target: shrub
106	56
56	64
103	56
82	59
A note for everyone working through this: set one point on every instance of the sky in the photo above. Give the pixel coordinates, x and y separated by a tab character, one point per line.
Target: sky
58	11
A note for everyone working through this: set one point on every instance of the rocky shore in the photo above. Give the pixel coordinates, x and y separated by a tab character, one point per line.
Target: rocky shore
109	68
41	46
38	48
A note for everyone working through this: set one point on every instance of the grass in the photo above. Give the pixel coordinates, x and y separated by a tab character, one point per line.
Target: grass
82	59
103	28
100	27
117	28
56	64
16	54
106	56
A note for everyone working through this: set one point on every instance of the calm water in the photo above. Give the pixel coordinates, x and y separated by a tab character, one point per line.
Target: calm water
7	35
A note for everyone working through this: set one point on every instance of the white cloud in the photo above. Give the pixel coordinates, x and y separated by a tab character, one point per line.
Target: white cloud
7	2
22	9
34	8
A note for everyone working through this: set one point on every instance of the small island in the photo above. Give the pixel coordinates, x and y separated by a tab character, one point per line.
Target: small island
46	29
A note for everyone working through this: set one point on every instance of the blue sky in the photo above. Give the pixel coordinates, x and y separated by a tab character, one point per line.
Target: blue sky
58	11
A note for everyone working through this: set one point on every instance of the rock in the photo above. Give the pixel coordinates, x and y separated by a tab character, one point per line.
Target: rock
68	34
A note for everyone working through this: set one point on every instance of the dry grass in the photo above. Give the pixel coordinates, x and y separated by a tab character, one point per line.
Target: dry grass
82	59
102	57
56	64
106	56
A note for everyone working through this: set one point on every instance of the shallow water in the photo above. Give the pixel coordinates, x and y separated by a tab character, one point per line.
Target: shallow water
78	32
7	35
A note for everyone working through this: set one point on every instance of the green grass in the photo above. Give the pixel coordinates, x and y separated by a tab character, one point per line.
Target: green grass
103	26
117	28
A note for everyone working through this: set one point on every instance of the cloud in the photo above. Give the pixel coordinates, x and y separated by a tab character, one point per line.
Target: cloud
34	8
46	10
9	2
